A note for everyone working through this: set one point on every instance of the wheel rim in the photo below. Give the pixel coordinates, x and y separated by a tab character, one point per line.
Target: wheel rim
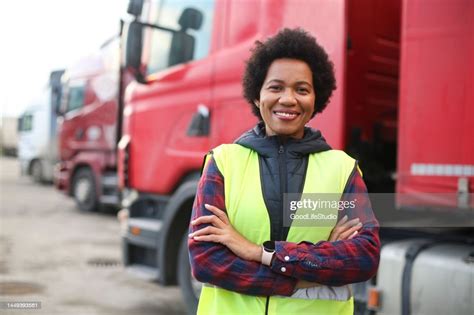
82	190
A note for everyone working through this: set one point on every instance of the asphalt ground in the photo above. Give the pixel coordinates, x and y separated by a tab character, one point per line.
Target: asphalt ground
67	260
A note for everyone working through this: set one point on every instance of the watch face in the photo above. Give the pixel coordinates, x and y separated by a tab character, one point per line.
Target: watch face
269	246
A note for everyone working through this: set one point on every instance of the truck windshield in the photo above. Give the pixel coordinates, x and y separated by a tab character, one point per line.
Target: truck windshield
167	13
75	98
25	123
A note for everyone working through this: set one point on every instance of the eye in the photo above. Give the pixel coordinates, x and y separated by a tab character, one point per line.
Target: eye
303	90
275	88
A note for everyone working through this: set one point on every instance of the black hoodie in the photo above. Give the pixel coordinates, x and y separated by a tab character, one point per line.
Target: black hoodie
283	168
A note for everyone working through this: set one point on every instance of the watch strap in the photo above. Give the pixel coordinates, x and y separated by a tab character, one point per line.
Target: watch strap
267	256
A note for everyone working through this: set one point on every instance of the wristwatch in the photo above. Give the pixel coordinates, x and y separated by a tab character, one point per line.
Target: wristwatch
268	250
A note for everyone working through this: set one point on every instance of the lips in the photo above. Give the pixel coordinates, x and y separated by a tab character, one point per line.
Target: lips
286	114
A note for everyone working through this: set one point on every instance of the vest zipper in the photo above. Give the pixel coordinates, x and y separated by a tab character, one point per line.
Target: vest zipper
283	185
283	180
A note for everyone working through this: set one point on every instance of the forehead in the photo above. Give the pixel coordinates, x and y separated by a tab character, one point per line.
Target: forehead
289	70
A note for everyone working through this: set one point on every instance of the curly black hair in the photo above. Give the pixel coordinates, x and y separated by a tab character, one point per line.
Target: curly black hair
295	44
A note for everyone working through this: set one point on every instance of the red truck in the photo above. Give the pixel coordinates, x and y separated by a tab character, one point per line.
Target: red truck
404	107
87	129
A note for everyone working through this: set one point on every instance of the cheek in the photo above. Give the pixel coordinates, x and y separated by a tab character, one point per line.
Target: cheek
265	104
310	105
311	110
307	105
265	99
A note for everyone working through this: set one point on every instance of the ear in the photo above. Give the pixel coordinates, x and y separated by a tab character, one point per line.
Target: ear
257	103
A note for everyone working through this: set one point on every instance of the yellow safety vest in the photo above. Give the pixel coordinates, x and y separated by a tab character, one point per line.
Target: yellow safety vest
328	172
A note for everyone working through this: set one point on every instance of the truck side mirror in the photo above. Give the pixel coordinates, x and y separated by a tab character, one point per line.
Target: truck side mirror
61	105
20	123
56	99
59	111
135	7
133	50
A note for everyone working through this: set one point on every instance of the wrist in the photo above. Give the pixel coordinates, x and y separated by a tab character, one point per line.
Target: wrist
257	256
268	251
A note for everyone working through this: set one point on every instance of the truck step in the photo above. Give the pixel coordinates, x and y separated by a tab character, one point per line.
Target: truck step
143	272
146	224
110	180
143	232
109	200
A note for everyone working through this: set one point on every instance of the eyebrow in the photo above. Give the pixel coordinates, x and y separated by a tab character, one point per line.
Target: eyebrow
281	81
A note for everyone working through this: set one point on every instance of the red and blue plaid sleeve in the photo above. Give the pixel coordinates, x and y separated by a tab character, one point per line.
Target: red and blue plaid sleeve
341	262
215	264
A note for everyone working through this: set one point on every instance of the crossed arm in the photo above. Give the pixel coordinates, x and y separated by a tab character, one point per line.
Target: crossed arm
223	257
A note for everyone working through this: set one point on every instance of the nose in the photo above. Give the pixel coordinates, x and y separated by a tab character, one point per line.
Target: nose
288	97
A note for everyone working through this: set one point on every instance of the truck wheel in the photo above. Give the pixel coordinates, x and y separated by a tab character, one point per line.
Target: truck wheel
190	287
84	190
37	171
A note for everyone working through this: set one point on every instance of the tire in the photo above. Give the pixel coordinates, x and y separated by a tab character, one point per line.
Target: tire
190	288
84	190
37	171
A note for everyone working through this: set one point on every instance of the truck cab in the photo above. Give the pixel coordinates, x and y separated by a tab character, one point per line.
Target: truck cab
188	60
37	141
87	126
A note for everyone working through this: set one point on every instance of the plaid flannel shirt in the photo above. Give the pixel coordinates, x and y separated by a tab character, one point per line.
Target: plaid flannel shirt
328	263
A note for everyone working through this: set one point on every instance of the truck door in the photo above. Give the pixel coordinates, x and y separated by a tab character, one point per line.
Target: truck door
436	147
248	21
26	143
71	130
168	126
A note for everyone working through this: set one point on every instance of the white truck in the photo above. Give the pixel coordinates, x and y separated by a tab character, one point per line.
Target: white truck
9	135
37	140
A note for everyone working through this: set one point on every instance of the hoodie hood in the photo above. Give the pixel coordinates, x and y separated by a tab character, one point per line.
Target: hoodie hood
257	140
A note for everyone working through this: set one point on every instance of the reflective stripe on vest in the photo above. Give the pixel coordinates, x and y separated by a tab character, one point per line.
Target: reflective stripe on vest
328	172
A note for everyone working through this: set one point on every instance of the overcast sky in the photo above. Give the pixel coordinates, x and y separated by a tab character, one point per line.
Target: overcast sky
38	36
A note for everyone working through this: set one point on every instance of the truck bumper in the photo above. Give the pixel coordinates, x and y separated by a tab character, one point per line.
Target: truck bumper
140	247
141	229
61	176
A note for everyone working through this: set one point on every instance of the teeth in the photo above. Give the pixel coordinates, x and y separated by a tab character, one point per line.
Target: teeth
285	114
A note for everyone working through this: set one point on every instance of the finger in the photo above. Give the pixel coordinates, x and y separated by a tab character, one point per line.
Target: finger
208	219
203	220
208	230
218	212
353	235
208	238
341	228
345	235
334	236
349	224
342	221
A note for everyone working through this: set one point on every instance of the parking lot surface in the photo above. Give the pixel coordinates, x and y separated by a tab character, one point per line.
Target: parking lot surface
67	260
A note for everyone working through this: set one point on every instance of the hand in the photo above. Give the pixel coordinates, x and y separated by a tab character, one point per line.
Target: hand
221	231
345	230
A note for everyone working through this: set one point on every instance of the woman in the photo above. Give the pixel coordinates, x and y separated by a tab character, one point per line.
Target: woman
250	255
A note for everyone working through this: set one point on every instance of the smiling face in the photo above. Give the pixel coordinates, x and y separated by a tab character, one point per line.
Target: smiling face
287	98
